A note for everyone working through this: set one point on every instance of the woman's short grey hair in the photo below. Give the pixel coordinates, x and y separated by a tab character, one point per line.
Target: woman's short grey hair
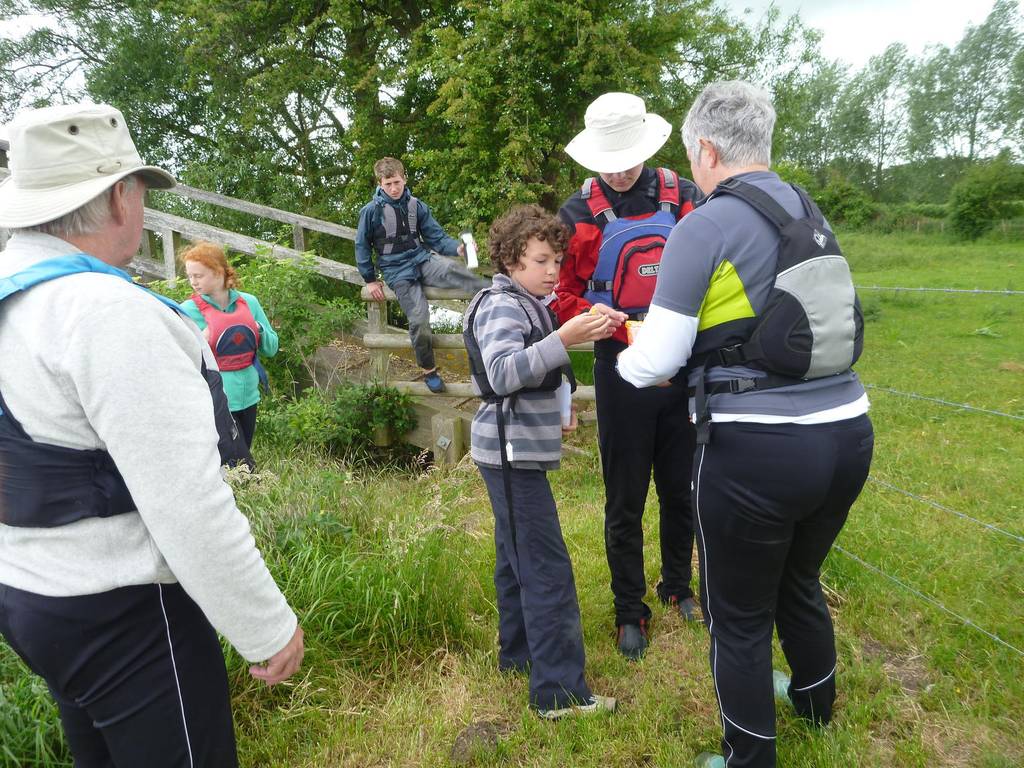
89	218
737	118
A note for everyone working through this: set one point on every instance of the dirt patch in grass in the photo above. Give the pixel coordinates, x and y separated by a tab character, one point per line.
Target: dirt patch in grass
906	668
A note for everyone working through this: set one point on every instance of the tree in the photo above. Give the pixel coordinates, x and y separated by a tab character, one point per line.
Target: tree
958	97
880	90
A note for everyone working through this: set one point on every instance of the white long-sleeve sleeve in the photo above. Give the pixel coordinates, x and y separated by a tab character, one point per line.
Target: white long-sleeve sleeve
660	349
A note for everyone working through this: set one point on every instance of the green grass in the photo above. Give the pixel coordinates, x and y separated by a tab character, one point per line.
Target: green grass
391	575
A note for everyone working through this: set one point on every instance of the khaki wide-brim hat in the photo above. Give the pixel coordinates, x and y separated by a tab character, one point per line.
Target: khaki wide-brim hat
62	157
620	134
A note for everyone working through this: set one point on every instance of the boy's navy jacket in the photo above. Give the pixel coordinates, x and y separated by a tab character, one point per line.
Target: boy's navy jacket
396	267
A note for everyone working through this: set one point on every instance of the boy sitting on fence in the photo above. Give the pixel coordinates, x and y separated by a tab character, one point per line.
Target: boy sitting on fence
518	361
396	226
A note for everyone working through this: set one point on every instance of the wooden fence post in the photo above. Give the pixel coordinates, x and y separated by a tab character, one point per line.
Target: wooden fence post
376	322
4	234
299	237
447	440
170	272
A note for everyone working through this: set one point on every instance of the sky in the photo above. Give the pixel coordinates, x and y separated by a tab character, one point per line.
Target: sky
855	30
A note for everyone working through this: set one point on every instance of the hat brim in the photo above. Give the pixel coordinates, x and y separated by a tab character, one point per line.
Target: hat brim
21	207
583	150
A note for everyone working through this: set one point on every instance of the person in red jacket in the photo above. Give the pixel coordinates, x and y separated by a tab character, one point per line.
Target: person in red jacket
619	221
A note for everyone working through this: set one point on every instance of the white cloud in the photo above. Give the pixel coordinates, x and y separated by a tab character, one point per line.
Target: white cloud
855	31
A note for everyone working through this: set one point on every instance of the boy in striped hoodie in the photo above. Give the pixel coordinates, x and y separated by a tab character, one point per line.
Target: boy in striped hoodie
519	362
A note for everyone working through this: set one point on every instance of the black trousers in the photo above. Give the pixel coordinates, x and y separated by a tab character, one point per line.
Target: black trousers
769	500
640	430
539	625
246	420
137	674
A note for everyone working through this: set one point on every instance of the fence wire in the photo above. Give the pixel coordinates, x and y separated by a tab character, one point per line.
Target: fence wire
982	291
940	401
930	600
944	508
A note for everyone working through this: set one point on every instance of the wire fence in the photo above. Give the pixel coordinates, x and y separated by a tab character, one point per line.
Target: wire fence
944	508
963	619
966	621
978	291
940	401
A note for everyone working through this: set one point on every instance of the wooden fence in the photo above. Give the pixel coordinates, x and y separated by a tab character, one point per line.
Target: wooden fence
444	429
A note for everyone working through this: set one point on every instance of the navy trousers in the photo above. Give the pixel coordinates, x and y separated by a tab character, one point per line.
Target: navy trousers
137	674
769	500
246	421
640	431
539	625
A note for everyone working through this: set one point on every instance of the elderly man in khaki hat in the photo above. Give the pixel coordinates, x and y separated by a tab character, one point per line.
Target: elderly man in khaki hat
619	221
121	547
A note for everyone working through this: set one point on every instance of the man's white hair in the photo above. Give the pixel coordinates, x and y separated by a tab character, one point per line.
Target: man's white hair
737	118
87	219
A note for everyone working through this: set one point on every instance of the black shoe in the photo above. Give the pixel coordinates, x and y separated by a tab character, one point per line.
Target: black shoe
633	640
686	606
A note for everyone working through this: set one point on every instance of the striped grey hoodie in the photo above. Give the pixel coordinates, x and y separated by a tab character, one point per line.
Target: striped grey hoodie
533	424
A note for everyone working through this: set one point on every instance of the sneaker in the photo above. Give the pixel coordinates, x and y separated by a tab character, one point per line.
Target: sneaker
709	760
632	640
780	685
434	382
596	704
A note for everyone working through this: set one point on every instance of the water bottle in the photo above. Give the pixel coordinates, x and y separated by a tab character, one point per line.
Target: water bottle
470	242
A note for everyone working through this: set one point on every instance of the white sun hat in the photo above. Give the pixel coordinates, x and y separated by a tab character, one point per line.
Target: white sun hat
620	134
62	157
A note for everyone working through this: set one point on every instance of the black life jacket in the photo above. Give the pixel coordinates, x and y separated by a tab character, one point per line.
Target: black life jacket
396	230
811	326
553	378
43	485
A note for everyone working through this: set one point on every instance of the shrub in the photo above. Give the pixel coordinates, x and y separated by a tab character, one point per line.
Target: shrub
843	202
985	194
344	422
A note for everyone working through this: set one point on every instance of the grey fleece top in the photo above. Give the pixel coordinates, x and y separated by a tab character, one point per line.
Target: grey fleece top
92	362
533	421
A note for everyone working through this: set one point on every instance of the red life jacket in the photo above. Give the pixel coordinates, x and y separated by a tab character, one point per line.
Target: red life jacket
630	254
234	336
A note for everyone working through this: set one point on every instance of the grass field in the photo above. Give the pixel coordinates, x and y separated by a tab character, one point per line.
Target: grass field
391	576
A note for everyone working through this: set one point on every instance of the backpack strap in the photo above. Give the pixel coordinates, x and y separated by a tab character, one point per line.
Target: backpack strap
412	213
668	190
597	200
758	199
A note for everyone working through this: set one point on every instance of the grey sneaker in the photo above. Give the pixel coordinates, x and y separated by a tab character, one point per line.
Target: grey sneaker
709	760
596	704
632	640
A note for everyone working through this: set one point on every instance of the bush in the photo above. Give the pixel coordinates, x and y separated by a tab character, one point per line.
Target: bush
796	174
986	194
347	421
843	202
906	216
